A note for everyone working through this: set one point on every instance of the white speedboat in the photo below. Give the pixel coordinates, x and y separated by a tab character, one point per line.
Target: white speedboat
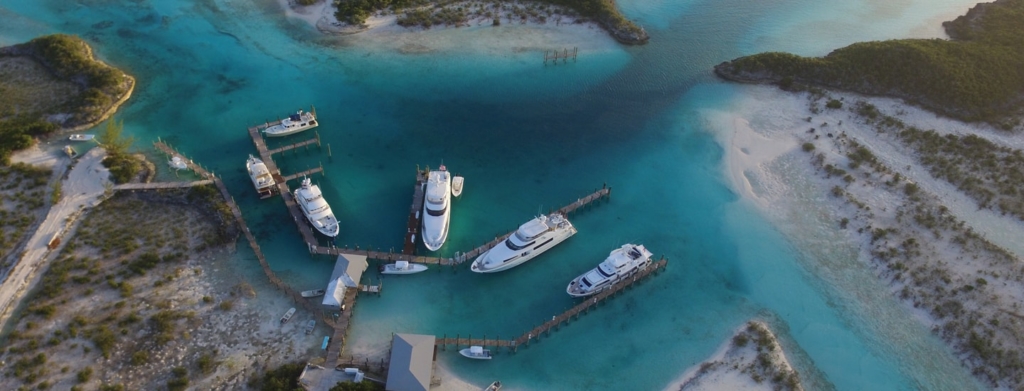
288	315
177	163
457	182
437	208
295	123
313	205
310	325
476	352
260	175
621	263
531	239
402	267
313	293
495	386
81	137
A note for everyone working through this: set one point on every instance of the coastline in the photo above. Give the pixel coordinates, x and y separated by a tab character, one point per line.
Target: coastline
941	274
749	361
113	108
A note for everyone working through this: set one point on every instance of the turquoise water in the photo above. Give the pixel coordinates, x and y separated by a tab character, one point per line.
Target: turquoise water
527	138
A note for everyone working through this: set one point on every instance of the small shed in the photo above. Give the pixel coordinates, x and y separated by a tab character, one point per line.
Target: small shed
348	270
412	362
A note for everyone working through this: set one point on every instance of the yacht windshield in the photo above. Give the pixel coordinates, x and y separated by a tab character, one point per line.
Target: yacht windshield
437	212
515	247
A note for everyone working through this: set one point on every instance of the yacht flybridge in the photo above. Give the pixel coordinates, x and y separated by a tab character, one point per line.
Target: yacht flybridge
437	208
621	263
316	209
531	239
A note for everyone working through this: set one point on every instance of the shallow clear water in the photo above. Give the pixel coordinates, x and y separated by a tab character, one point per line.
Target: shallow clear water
528	138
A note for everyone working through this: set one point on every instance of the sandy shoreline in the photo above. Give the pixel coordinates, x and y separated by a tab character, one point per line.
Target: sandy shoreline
932	270
736	366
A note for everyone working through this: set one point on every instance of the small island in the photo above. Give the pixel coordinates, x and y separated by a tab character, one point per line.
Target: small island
54	83
424	13
973	77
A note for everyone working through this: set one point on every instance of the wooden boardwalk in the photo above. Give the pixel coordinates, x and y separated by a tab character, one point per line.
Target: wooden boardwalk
295	295
161	185
602	193
556	321
412	228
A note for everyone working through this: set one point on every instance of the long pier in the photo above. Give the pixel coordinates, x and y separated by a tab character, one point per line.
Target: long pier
161	185
556	321
602	193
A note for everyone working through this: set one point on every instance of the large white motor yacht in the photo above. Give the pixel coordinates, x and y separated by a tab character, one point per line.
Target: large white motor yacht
313	205
260	175
621	263
295	123
437	208
530	240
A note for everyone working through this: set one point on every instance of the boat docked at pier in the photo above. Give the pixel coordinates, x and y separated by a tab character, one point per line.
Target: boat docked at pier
316	209
301	120
620	264
261	178
81	137
457	182
313	293
437	208
476	352
531	239
402	267
177	163
288	315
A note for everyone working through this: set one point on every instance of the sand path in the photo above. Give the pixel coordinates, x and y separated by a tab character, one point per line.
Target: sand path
84	187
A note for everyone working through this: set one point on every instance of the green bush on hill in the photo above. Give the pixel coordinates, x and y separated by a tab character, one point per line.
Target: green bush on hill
978	76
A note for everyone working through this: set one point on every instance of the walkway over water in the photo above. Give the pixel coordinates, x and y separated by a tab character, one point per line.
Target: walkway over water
162	185
556	321
282	181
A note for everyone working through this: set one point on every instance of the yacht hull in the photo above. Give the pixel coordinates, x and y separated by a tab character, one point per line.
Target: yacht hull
521	258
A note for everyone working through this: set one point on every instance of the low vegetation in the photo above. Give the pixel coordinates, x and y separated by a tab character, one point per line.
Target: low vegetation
428	13
97	302
22	196
976	76
283	378
53	81
122	165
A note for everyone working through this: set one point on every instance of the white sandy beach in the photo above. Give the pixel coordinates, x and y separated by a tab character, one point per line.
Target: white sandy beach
730	367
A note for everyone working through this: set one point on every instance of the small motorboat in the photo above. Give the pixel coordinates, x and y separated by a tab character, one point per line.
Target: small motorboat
494	386
313	293
310	326
177	163
288	315
402	267
81	137
476	352
71	152
457	185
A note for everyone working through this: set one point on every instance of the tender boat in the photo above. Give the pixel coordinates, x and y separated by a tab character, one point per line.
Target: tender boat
437	208
177	163
310	326
293	124
81	137
476	352
313	293
621	263
402	267
494	386
313	205
260	175
531	239
457	185
288	315
71	152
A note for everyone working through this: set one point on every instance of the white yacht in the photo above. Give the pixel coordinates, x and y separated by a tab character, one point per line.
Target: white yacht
437	208
530	240
295	123
313	205
81	137
260	175
621	263
177	163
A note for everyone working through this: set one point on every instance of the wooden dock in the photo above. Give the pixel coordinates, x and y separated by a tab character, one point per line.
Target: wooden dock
412	228
162	185
556	321
390	256
282	181
564	55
